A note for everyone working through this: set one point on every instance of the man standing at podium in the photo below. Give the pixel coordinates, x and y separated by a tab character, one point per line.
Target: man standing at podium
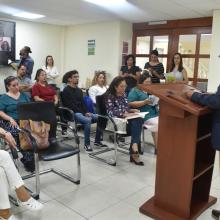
213	102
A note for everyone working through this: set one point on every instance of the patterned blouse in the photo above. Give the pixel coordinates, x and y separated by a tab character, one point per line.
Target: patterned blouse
116	105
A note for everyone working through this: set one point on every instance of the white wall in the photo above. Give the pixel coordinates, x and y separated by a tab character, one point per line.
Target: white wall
69	47
214	65
126	33
108	37
43	40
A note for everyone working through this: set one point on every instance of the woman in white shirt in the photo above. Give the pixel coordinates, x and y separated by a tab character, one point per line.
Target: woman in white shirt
50	70
99	86
178	71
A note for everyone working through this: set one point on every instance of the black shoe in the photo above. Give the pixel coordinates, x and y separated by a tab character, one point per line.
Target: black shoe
88	148
28	165
215	213
136	162
100	144
121	139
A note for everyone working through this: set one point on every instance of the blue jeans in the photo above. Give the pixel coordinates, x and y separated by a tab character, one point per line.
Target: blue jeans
134	129
86	122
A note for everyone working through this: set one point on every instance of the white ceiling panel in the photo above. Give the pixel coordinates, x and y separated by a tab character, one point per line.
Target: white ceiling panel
68	12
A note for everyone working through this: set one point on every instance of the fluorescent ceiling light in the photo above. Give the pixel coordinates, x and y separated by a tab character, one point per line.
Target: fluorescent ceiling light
107	2
28	15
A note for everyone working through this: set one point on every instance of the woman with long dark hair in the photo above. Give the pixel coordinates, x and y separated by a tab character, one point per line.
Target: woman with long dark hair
41	91
130	72
177	69
155	67
117	106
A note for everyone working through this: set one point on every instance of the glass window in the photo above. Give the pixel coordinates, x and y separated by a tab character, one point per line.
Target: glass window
203	70
205	43
163	60
161	44
187	44
188	64
140	61
143	45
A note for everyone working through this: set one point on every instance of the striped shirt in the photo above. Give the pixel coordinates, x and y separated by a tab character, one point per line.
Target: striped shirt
158	68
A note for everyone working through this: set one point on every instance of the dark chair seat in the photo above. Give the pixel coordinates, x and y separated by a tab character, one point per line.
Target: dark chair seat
58	150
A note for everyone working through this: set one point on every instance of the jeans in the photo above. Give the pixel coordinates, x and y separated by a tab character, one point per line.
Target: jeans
134	129
86	122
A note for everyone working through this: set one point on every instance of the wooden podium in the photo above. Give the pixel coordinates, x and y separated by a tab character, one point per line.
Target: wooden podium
185	159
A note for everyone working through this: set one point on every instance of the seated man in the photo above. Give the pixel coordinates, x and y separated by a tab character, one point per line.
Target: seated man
72	97
25	83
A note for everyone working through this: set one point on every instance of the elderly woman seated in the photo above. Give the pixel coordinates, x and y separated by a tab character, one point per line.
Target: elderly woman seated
10	178
141	100
117	106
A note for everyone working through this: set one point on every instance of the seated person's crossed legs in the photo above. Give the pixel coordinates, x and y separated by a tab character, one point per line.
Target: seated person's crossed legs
10	178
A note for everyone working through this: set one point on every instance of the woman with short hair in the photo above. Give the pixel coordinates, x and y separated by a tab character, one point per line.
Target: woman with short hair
144	102
130	72
9	116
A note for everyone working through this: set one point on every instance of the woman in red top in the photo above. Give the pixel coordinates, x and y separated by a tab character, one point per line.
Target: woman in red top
41	91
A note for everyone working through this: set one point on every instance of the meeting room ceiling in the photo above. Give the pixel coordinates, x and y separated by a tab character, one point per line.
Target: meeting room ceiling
71	12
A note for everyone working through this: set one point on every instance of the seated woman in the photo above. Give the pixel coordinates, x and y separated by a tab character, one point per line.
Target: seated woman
41	91
98	85
117	106
9	177
9	116
141	100
178	71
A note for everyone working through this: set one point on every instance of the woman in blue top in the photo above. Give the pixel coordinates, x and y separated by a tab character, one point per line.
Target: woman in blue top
9	116
143	101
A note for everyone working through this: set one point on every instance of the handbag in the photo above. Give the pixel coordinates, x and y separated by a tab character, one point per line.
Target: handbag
38	129
121	124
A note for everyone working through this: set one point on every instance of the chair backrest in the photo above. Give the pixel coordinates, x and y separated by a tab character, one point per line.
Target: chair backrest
39	111
89	103
100	104
101	110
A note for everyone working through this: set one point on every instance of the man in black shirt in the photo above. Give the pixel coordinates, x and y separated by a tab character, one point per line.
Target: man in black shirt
72	98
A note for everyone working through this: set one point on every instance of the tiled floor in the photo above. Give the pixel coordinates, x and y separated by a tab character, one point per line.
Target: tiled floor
105	192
